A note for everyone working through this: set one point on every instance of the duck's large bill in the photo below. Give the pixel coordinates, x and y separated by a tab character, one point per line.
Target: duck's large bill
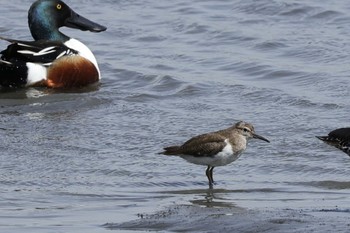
82	23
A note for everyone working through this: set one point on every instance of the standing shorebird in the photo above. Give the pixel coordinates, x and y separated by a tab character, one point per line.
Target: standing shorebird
339	138
216	148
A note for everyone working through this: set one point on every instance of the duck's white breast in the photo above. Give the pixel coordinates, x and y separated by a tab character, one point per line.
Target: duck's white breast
83	51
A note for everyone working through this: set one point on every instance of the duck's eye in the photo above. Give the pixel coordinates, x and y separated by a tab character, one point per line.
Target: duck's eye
59	6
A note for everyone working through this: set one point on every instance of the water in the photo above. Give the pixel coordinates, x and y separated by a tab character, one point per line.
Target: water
78	160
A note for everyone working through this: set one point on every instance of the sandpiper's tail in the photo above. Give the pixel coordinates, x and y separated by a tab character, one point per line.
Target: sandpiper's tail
171	150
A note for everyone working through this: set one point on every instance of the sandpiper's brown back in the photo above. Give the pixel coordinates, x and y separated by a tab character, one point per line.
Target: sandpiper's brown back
212	143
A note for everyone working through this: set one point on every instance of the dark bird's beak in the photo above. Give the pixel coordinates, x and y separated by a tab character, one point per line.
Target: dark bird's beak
260	137
79	22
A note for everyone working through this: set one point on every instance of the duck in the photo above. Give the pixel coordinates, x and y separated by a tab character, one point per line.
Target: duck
339	138
53	59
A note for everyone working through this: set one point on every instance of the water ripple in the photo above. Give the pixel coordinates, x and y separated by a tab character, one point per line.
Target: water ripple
75	159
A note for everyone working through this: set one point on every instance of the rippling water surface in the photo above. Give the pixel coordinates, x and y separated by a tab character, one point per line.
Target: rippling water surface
72	161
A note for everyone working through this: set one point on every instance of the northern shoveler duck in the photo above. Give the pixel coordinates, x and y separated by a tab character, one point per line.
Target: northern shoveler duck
339	138
53	59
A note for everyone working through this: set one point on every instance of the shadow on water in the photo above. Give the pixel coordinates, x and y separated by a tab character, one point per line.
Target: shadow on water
44	100
213	198
37	92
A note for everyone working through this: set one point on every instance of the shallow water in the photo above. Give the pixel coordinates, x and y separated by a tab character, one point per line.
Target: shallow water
73	161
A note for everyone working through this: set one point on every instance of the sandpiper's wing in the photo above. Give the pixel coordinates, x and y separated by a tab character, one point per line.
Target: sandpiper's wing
43	52
339	138
202	145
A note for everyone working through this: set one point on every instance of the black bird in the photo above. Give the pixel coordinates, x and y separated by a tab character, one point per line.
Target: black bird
339	138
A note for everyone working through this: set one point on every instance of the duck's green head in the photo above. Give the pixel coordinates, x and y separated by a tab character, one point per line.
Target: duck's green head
47	16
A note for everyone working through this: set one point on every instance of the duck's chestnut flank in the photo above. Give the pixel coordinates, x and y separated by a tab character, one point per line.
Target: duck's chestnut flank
71	71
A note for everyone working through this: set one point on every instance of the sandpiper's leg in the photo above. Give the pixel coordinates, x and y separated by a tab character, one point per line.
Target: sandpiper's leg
209	173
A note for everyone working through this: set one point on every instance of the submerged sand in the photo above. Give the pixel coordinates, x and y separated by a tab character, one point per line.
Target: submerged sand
194	218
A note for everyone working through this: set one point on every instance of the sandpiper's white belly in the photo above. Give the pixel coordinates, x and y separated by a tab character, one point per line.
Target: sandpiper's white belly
222	158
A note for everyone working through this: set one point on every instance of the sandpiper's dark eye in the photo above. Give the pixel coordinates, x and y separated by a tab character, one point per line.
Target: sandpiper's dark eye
59	6
245	130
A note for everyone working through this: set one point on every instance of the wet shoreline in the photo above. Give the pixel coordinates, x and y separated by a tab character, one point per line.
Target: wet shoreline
253	210
194	218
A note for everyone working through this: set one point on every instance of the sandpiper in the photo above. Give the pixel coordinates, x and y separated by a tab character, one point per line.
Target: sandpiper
339	138
216	148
